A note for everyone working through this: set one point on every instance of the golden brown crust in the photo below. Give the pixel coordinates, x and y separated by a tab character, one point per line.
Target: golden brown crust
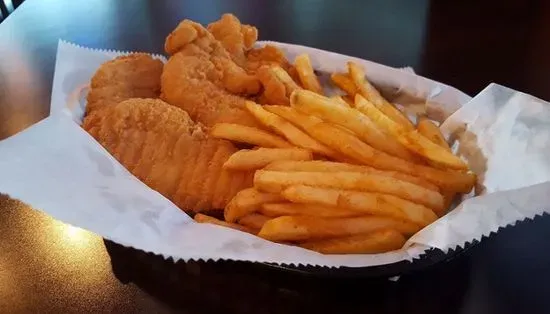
193	84
235	37
165	149
133	76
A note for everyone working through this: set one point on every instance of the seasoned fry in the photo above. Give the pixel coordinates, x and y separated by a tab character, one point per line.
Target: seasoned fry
295	209
274	91
201	218
356	149
413	140
254	221
343	141
248	201
248	135
371	243
365	88
250	159
299	228
286	129
305	72
367	203
350	100
432	132
344	82
331	166
322	107
275	182
340	101
284	77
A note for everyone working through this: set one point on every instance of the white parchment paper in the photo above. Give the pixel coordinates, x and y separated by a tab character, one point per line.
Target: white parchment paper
56	167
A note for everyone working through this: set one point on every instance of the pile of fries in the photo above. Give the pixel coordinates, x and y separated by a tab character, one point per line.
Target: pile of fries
346	174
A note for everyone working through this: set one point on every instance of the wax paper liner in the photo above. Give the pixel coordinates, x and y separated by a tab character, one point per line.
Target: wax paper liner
58	168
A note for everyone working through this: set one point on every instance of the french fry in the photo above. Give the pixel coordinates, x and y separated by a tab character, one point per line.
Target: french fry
285	78
201	218
413	140
427	128
306	74
248	135
331	166
254	221
300	228
344	82
371	243
351	146
340	101
288	130
364	202
342	141
354	148
322	107
248	201
431	131
365	88
276	182
250	159
296	209
350	100
274	91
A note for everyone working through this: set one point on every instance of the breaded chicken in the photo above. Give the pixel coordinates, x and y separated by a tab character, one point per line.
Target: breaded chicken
202	78
238	39
205	101
134	75
235	37
278	85
269	55
164	148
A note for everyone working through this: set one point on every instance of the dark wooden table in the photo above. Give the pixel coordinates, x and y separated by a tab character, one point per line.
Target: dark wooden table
46	266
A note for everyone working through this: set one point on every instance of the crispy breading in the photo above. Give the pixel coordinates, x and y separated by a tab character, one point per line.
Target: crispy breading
131	76
193	40
238	39
185	85
202	79
235	37
269	55
165	149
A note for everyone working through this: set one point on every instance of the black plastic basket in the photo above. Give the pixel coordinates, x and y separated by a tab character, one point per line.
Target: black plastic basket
122	256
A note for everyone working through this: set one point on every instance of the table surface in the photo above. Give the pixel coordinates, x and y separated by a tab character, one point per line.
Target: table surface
47	266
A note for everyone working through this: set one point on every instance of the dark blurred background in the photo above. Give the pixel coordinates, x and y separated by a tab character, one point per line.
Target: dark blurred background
497	41
7	7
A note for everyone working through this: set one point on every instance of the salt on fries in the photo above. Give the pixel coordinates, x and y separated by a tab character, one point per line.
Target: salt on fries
347	174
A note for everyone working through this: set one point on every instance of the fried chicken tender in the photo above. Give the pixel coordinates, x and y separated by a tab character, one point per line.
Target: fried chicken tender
269	55
165	149
131	76
261	61
235	37
202	78
238	39
278	85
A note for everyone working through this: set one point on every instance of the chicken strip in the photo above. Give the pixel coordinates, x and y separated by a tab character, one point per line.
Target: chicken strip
131	76
165	149
202	79
269	55
278	85
235	37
